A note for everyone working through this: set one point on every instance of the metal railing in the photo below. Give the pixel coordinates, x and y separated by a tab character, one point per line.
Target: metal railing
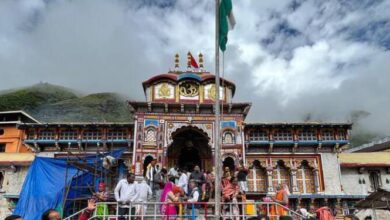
186	210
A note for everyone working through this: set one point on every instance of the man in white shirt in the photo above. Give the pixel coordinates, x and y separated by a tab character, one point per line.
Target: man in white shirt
144	192
126	193
183	181
194	197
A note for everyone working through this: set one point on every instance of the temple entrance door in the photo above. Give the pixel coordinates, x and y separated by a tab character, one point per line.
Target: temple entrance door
190	147
189	158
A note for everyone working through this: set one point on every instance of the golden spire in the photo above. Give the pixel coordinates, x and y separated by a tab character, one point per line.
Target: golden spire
200	61
189	60
177	61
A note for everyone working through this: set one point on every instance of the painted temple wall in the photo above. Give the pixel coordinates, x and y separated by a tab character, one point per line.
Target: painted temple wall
331	174
352	186
12	184
164	91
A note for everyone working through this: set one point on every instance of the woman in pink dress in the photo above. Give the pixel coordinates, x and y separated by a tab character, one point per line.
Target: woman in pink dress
170	195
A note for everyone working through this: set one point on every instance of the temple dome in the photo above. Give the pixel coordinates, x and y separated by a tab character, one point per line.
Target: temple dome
186	86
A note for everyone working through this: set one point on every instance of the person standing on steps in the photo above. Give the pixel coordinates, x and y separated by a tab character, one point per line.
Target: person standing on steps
160	179
144	192
193	198
126	193
151	171
183	181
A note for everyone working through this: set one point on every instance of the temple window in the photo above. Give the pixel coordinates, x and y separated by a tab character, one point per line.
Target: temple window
258	135
280	175
2	147
342	135
46	135
283	135
92	135
257	179
305	178
116	135
150	135
327	135
30	134
68	135
307	135
228	138
375	180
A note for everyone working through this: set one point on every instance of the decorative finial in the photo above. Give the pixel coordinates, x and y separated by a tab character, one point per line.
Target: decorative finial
177	62
189	60
201	61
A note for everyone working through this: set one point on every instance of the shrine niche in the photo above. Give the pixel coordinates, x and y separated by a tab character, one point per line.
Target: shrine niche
189	90
209	92
164	91
228	137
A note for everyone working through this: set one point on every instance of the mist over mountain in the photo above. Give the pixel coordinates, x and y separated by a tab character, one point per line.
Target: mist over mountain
52	103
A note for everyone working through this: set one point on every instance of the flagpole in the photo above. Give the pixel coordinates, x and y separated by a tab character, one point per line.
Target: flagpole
217	142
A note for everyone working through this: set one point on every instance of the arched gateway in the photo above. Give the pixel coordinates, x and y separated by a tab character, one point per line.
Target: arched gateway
190	147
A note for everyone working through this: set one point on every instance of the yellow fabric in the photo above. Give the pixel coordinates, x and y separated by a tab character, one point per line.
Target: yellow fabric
365	158
16	157
250	208
180	210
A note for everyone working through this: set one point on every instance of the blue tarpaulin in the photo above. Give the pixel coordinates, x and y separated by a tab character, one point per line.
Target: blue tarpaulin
44	185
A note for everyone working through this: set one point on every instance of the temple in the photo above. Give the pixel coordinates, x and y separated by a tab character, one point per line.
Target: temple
175	125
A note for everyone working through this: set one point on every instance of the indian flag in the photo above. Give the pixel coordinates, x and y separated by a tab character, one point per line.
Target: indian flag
226	22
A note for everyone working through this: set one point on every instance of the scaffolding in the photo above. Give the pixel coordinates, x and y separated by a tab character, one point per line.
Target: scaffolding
81	186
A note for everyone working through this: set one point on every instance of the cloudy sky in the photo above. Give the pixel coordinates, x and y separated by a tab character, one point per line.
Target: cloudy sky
294	60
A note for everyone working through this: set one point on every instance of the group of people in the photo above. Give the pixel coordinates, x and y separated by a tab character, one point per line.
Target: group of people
178	185
179	193
172	188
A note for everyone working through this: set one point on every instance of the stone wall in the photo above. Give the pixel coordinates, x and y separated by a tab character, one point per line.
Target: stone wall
12	184
352	185
331	173
380	214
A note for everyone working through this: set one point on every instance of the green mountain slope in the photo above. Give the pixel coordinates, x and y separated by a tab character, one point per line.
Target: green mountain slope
31	98
99	107
51	103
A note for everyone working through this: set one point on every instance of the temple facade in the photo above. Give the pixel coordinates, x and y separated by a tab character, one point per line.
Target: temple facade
175	124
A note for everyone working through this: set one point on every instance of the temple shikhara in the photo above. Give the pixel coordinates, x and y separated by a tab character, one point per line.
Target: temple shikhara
175	124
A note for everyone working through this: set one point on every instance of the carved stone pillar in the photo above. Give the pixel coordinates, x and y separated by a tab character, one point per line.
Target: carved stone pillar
338	208
313	203
293	174
270	188
316	180
300	203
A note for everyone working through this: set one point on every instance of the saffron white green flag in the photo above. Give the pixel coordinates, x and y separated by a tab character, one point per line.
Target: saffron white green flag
226	22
